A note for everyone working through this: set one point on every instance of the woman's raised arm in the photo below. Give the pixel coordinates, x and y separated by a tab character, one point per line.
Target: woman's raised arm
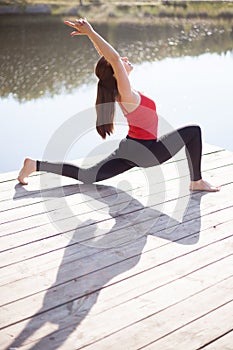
83	27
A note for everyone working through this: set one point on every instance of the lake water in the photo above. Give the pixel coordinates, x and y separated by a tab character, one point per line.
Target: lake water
46	77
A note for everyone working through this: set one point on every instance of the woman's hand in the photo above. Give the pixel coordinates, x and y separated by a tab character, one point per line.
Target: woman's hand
81	25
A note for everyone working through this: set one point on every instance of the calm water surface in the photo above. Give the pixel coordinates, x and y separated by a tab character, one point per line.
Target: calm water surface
46	77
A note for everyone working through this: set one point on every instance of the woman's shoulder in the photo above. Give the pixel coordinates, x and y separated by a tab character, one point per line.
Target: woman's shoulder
128	106
134	98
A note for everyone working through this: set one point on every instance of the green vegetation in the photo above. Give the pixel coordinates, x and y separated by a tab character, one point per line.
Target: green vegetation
100	10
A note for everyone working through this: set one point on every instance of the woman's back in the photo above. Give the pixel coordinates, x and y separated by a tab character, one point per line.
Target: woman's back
143	120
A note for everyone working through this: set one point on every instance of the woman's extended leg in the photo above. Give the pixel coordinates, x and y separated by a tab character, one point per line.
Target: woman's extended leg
162	150
101	171
111	166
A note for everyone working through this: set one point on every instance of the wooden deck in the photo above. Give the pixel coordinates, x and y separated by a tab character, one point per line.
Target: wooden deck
123	265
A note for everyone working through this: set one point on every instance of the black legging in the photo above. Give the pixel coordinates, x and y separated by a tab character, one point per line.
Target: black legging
134	152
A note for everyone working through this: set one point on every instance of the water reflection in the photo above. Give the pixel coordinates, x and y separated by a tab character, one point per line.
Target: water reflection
38	58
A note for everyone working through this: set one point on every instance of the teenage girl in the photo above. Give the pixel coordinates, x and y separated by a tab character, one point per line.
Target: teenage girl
141	147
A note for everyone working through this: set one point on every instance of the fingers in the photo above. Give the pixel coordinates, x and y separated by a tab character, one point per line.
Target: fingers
80	21
81	26
74	33
77	22
70	24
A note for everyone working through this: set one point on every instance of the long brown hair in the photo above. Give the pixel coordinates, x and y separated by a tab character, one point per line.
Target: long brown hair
106	95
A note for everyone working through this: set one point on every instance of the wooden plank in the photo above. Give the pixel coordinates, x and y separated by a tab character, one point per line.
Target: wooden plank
23	211
152	280
119	292
84	233
83	209
154	323
208	207
28	281
24	269
76	249
197	333
224	342
8	176
14	190
62	293
78	202
152	318
9	228
150	276
36	275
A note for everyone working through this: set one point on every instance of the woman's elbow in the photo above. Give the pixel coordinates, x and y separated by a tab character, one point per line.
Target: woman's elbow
114	58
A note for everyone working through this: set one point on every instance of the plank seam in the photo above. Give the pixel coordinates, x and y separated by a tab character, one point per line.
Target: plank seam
105	220
215	339
84	241
188	323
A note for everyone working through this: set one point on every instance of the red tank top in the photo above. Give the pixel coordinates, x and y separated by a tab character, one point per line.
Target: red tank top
143	121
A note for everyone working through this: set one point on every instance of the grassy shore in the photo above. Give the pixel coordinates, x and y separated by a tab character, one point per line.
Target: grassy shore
99	10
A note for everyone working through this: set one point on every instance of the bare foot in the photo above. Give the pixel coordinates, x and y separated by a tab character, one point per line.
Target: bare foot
29	167
202	185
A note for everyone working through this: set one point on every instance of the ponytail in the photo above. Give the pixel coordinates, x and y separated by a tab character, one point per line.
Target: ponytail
106	96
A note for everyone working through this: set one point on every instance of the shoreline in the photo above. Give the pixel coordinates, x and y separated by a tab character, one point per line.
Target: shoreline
131	12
